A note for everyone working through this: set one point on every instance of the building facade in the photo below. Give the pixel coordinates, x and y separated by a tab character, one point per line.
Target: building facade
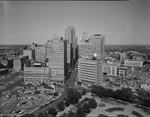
40	54
110	69
84	45
56	53
133	63
37	75
90	71
17	64
28	53
70	35
123	71
137	58
98	44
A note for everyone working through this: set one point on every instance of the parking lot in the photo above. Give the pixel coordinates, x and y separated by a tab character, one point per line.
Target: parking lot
25	98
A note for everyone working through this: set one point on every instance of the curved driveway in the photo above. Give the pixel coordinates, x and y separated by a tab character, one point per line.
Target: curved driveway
70	83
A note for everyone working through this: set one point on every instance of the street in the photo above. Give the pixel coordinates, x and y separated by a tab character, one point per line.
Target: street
69	84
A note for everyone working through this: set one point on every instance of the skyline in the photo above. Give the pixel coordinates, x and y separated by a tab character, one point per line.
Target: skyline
124	22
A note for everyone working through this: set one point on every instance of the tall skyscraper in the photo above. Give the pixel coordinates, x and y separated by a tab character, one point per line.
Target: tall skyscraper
98	44
56	53
40	54
70	35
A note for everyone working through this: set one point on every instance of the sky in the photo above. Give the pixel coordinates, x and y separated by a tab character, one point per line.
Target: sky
122	22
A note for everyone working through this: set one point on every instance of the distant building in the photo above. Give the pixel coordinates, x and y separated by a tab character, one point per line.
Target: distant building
27	63
133	63
123	56
40	54
90	71
110	69
145	86
98	43
68	52
37	75
70	35
17	64
123	71
137	58
30	53
57	55
33	46
84	45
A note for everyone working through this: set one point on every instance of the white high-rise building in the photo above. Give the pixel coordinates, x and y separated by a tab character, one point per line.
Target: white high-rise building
90	71
57	57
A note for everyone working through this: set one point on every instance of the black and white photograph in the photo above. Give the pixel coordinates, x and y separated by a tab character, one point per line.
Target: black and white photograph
77	58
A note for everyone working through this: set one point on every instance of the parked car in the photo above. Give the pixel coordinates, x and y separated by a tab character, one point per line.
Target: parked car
102	105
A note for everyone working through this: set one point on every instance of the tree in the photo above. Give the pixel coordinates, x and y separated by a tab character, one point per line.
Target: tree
71	114
79	95
86	99
41	115
73	96
61	106
67	103
52	111
64	115
92	103
80	112
86	108
83	92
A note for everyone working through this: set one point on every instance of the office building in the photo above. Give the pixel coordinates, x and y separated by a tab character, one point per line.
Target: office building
68	52
74	51
133	63
28	53
123	56
110	69
17	64
70	35
40	54
98	44
123	71
37	75
137	57
90	71
57	55
84	45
